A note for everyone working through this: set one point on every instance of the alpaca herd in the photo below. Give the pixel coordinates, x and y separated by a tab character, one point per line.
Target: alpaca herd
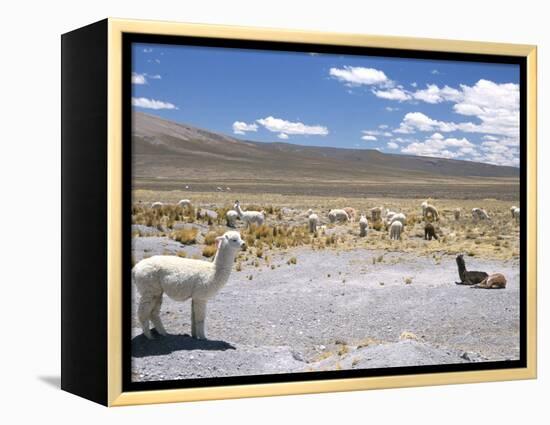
344	215
182	279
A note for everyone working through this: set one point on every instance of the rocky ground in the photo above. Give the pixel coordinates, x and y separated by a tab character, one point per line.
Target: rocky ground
334	309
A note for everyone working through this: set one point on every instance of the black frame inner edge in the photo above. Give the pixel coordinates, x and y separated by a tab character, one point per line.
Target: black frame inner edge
129	38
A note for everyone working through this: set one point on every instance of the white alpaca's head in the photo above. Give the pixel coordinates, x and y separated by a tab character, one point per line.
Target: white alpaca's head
230	240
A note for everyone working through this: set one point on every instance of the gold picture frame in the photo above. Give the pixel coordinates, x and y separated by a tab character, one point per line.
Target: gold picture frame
116	28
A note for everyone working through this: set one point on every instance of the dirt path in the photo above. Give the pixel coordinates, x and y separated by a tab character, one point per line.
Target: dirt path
337	309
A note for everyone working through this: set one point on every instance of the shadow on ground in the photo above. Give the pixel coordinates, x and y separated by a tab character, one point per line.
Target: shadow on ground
54	381
162	345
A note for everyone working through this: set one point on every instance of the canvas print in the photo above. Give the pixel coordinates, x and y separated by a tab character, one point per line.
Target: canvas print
298	212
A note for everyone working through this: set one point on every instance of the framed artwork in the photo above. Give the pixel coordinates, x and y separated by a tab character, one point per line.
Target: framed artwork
251	212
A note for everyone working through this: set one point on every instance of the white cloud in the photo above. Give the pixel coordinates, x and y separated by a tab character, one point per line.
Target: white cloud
418	121
154	77
147	50
435	72
138	78
143	102
391	109
414	84
282	136
372	134
278	125
357	76
433	94
495	105
392	94
437	146
240	127
369	138
392	145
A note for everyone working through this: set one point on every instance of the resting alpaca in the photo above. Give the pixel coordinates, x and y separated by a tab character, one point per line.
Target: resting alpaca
494	281
466	277
429	232
182	279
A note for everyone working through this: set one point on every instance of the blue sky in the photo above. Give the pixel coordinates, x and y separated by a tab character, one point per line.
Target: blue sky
457	110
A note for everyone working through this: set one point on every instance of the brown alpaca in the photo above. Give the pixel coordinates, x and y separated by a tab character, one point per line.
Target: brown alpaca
493	281
351	213
429	232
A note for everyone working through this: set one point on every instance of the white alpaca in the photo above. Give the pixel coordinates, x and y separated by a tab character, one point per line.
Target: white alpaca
423	205
338	216
182	279
249	217
231	216
512	208
184	203
157	205
515	214
395	230
363	225
480	214
402	218
313	221
389	215
206	213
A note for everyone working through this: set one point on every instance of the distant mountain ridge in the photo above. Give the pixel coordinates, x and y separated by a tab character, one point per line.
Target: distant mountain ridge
165	149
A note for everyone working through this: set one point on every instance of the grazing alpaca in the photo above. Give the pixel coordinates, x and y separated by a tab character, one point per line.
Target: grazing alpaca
466	277
231	216
313	221
249	217
395	230
352	214
430	211
184	203
457	214
398	217
338	215
423	205
429	232
363	226
376	213
512	208
480	214
182	279
157	205
515	214
494	281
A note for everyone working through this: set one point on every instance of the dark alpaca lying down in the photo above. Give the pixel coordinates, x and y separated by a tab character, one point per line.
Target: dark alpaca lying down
466	277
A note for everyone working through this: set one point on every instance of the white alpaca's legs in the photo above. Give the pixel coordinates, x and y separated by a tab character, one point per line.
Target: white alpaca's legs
198	317
155	315
145	308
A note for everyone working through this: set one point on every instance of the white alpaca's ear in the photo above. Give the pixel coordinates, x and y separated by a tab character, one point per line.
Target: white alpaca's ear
219	240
